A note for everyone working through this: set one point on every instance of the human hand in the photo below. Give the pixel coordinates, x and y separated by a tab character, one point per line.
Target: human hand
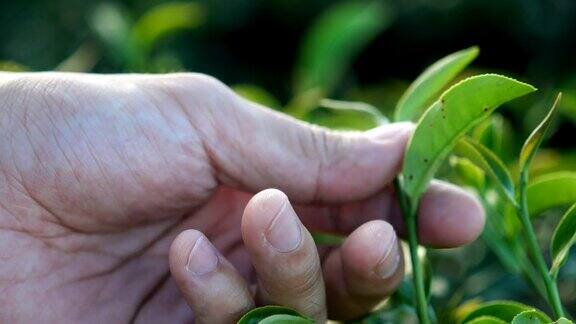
100	175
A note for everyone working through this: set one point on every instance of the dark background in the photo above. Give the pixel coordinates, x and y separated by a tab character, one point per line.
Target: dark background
251	41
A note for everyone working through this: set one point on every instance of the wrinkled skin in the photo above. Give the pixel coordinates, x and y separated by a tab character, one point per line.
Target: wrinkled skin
99	174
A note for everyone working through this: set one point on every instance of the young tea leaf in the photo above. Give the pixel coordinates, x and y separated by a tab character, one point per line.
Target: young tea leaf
335	39
431	82
529	317
490	163
503	309
532	144
257	315
563	320
551	190
458	109
563	239
468	174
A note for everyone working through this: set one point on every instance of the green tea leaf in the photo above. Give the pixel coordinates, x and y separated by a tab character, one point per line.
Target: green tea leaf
503	309
529	317
487	320
459	109
165	19
257	315
563	239
335	39
286	319
563	320
431	82
551	190
490	163
533	142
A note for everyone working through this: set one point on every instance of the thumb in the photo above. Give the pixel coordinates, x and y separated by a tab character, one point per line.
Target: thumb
267	149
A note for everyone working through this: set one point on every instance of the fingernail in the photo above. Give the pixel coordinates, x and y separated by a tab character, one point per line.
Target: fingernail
203	258
284	232
387	267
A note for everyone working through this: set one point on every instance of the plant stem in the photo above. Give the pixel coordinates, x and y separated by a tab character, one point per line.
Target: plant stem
411	221
553	297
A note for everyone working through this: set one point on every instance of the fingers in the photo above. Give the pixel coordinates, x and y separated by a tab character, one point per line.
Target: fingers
367	268
255	148
283	254
315	164
208	282
448	216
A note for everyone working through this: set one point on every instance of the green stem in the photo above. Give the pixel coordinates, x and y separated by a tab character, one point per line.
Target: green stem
410	218
552	295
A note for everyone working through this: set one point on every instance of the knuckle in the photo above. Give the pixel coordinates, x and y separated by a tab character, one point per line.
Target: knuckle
191	91
193	83
304	279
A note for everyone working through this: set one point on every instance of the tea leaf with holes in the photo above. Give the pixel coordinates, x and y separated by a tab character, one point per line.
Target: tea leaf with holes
431	82
457	111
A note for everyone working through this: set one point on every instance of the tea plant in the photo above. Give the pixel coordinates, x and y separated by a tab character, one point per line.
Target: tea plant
456	123
445	128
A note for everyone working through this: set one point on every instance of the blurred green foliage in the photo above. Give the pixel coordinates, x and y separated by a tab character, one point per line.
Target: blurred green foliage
293	54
